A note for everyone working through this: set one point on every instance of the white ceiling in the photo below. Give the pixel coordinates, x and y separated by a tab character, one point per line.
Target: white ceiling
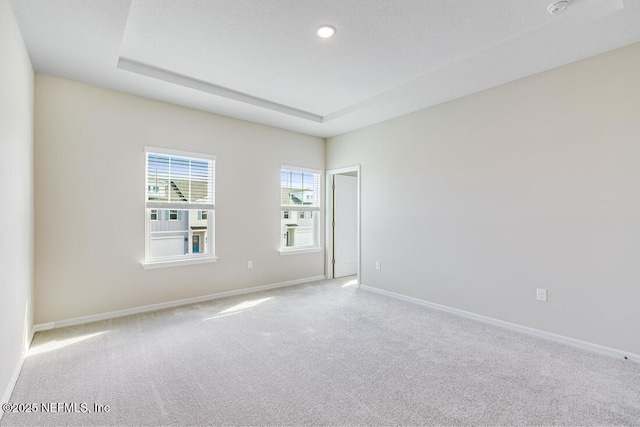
260	60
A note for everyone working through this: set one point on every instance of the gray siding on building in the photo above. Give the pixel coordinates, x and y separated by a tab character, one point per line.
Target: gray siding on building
163	224
164	230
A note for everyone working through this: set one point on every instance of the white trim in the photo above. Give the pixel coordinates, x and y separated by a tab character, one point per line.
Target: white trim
12	383
339	171
300	208
178	153
43	327
595	348
16	372
169	304
329	219
180	206
148	265
182	80
299	251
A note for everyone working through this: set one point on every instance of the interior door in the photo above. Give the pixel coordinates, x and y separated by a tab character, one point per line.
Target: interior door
345	229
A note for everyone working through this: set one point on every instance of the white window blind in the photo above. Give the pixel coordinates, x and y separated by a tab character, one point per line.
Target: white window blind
179	181
299	190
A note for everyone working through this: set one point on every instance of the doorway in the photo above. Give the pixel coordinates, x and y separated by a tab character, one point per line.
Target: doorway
195	240
343	222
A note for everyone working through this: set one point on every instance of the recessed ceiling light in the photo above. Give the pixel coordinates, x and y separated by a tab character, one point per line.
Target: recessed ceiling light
326	31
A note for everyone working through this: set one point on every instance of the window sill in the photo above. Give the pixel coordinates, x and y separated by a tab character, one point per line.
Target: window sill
147	265
299	251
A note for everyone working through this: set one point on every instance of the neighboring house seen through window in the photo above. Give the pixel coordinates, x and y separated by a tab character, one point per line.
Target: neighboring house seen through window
180	206
300	209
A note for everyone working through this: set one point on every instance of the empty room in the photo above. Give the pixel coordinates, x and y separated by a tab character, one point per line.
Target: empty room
320	212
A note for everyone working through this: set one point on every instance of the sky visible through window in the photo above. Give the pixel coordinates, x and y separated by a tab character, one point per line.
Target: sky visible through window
300	185
295	179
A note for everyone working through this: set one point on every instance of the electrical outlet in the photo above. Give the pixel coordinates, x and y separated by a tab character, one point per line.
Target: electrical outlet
250	264
541	294
378	265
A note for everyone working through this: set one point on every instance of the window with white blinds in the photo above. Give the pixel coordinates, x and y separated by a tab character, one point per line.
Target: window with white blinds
180	207
179	181
299	208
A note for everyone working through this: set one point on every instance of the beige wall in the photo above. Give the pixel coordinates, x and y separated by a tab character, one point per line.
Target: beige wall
475	203
90	200
16	208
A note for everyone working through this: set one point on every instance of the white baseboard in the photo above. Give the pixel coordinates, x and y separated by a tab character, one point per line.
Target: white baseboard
168	304
16	372
596	348
14	378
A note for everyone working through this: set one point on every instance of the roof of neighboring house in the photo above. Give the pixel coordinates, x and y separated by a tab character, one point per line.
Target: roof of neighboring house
291	196
179	190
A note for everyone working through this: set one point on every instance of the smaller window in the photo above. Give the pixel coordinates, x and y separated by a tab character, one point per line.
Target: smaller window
154	214
300	209
173	215
203	215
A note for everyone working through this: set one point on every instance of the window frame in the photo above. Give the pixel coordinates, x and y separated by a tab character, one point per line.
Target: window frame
293	210
152	204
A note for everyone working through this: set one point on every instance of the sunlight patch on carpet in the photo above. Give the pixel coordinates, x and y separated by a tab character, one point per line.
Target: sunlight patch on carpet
221	315
245	305
353	282
58	344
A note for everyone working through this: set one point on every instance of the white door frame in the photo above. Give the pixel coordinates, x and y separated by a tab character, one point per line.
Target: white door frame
329	219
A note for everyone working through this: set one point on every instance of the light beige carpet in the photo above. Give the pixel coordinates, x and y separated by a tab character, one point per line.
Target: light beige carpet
317	354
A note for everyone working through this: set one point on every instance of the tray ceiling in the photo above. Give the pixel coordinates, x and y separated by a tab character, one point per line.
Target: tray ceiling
262	61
